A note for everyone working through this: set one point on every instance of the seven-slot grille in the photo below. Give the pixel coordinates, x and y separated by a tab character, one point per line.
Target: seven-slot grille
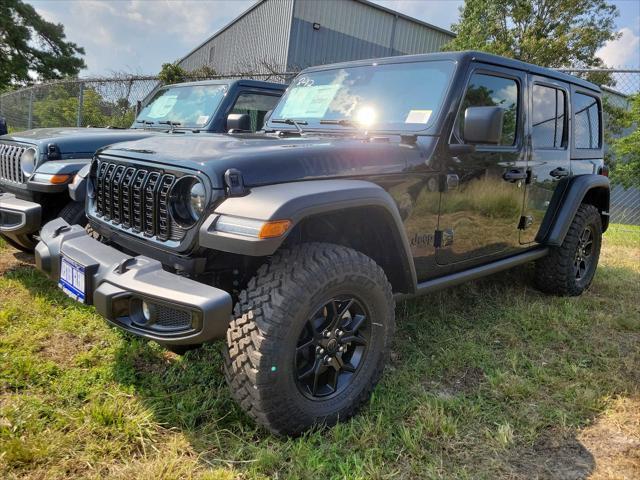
136	198
10	165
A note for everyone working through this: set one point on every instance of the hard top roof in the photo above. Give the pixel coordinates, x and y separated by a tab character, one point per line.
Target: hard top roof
465	56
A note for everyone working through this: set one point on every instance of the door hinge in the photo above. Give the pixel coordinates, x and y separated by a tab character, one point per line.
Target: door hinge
235	183
525	222
443	238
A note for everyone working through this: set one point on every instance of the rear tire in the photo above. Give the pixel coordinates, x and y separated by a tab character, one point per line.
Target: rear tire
570	268
319	308
25	242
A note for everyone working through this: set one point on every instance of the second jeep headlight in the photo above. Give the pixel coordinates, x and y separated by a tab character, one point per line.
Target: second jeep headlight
28	161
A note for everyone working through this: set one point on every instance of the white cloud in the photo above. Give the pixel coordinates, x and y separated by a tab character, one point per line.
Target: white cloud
623	52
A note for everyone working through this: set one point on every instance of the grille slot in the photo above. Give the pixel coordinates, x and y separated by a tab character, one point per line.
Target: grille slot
172	318
10	163
136	198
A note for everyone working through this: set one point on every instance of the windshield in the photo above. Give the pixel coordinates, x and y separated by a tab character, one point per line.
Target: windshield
398	96
190	106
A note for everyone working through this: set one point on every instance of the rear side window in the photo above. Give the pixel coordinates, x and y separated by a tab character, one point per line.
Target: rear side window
492	91
586	121
256	106
548	117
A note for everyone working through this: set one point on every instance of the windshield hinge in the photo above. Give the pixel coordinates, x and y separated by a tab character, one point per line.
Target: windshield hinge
235	183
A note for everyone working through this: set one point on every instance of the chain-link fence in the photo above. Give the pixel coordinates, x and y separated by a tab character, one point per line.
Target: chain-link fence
97	102
112	102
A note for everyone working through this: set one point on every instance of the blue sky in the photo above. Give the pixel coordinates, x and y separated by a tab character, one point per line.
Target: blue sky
137	36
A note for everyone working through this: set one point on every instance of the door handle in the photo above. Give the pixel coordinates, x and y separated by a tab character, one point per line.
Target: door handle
514	175
559	172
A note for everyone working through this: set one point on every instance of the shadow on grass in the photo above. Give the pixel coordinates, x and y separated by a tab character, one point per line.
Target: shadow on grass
474	350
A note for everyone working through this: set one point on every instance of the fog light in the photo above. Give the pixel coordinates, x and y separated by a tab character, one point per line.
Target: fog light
146	311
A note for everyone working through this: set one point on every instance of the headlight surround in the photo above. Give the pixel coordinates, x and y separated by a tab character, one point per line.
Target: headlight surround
28	161
188	201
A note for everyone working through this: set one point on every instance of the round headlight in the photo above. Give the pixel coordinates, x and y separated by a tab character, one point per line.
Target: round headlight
188	201
28	161
197	199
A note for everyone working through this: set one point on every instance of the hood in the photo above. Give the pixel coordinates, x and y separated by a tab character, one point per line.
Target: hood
77	142
266	159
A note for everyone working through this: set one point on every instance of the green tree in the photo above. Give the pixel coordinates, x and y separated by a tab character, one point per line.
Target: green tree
552	33
60	108
627	149
171	73
29	44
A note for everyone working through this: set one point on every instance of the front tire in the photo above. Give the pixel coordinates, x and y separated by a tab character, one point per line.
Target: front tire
310	339
73	213
569	269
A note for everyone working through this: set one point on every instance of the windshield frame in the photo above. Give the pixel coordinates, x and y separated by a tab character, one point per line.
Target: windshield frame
212	115
433	127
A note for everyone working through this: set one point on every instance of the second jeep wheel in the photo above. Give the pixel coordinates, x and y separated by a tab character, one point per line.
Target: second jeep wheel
570	268
311	336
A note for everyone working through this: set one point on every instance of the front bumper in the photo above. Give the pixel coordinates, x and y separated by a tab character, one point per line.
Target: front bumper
183	311
18	217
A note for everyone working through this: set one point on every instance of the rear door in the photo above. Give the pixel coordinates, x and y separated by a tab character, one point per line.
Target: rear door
479	219
549	163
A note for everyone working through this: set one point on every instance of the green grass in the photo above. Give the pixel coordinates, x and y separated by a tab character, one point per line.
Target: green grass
490	379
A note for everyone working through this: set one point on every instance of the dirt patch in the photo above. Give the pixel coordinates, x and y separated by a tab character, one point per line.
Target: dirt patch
614	441
458	382
11	259
554	457
62	347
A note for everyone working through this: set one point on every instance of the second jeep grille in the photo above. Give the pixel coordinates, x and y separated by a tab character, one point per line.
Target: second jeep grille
136	198
10	164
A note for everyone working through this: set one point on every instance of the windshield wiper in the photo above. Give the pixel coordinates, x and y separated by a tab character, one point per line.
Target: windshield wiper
145	123
291	121
343	122
171	124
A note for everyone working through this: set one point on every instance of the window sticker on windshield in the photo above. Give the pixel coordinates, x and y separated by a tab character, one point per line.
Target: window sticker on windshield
418	116
202	119
309	102
162	106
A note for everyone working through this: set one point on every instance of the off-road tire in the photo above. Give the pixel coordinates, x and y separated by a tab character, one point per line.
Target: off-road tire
25	242
269	317
556	272
73	213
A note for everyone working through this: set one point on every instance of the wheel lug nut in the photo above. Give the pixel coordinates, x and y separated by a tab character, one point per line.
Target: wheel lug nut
340	333
341	349
321	351
327	334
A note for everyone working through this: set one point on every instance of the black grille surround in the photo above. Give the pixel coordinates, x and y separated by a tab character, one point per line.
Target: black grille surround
136	198
10	162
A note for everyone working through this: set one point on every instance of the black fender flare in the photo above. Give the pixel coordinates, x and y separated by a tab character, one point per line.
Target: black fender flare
296	201
565	203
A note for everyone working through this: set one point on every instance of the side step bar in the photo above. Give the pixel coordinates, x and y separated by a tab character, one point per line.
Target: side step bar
476	272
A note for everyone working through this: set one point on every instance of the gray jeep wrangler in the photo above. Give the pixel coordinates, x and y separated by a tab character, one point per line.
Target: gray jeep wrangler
373	180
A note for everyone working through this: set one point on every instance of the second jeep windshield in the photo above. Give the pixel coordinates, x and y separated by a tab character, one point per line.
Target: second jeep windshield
186	106
404	96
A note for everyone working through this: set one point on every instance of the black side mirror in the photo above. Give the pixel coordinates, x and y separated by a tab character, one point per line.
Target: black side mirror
238	122
483	124
3	126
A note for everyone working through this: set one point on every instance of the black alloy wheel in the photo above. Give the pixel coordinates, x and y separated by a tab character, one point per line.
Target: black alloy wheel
332	347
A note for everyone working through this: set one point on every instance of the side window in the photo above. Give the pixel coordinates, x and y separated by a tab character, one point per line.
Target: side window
548	117
255	105
491	91
586	121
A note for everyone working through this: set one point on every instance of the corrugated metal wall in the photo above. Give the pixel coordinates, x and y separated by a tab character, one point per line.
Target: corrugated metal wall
281	34
261	36
352	30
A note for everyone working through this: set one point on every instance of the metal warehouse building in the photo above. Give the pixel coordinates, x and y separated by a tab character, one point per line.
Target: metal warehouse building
288	35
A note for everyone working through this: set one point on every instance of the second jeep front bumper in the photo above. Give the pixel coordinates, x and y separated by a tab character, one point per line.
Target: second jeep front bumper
177	310
18	217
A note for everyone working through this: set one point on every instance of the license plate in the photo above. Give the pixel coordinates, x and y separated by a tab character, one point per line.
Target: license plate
72	279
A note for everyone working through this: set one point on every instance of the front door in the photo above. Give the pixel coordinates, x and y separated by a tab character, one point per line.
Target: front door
549	162
479	219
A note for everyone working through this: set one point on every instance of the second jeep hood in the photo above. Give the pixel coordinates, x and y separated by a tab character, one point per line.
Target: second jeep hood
74	142
267	159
